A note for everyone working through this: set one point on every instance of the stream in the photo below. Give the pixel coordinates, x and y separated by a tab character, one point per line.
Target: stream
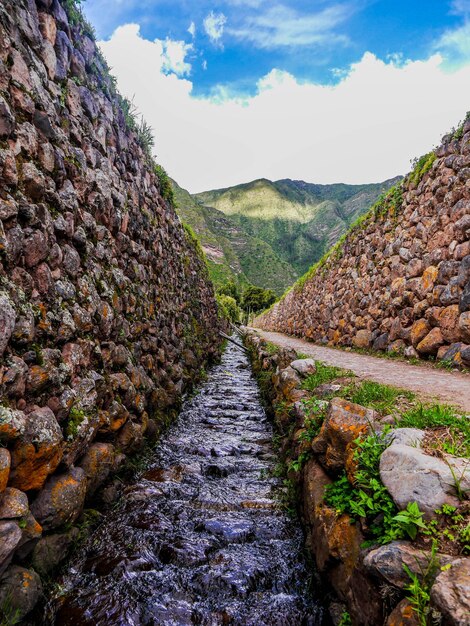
199	537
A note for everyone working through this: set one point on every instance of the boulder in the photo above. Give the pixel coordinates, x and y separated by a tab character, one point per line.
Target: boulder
5	460
97	463
37	452
61	500
410	475
10	537
403	615
344	423
50	551
304	367
450	594
431	343
7	321
363	339
13	504
387	562
20	590
405	436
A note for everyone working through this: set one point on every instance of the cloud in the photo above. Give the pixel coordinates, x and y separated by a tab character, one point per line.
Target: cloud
174	57
461	7
282	26
192	29
214	25
365	128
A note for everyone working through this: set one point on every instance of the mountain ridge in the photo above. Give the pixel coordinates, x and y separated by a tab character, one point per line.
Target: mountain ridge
299	220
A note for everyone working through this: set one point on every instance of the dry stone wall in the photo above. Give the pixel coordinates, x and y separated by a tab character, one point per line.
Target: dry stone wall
401	279
106	310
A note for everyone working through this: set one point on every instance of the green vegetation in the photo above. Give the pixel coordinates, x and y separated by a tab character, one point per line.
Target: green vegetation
421	166
345	619
367	498
382	398
299	220
324	374
76	416
166	188
456	439
228	308
315	414
419	588
256	299
232	254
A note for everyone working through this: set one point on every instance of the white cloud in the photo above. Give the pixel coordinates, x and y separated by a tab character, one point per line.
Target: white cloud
192	29
282	26
174	56
365	128
455	44
214	25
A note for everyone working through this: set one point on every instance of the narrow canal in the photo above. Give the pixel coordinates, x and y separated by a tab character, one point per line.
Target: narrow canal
200	537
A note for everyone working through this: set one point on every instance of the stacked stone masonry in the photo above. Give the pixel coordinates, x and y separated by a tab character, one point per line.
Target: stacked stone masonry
106	311
400	282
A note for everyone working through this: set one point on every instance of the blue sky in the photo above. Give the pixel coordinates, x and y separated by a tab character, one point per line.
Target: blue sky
222	52
259	35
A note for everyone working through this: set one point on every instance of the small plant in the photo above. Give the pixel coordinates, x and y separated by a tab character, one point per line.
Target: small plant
324	374
166	188
315	416
297	464
410	520
382	398
345	619
419	587
437	416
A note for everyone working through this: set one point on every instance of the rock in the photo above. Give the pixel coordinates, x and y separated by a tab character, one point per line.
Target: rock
464	302
449	323
50	551
450	594
431	343
403	615
464	325
410	475
12	424
10	537
20	590
7	121
7	321
304	367
419	330
38	450
344	423
97	463
13	504
5	461
363	339
387	562
289	383
405	436
61	499
410	352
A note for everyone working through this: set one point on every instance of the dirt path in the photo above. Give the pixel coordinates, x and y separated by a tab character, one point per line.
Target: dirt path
451	387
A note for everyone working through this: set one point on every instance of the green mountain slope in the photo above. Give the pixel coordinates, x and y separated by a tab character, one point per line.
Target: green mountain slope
299	220
231	252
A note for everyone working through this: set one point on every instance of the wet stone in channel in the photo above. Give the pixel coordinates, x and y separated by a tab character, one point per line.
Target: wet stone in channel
200	537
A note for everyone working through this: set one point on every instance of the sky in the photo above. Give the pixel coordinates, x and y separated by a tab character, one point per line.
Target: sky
317	90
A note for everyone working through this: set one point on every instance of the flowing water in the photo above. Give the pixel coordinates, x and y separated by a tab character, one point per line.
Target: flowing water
200	537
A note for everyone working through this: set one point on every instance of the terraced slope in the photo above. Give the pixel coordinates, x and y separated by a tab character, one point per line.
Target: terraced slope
299	220
231	252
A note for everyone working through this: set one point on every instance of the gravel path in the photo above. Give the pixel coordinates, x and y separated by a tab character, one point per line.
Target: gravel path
450	387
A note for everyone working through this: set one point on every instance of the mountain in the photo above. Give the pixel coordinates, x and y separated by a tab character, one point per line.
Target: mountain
299	220
231	252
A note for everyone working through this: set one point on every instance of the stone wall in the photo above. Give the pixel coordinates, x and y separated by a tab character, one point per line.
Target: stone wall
106	311
400	281
365	574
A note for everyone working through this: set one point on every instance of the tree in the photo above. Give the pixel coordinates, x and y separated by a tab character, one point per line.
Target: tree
228	308
257	299
230	288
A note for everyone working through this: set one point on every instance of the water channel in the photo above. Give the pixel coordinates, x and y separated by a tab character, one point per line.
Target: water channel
200	536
